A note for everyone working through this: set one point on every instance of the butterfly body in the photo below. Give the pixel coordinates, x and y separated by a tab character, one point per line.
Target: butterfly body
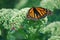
37	13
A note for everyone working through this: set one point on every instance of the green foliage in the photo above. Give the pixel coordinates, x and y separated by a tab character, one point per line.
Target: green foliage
54	29
14	20
15	26
50	4
8	3
27	3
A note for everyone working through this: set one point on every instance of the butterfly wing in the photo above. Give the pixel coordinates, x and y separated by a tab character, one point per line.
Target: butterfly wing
31	14
42	12
37	13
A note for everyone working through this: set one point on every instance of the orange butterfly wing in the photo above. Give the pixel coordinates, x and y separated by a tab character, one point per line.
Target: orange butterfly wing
31	14
37	13
42	12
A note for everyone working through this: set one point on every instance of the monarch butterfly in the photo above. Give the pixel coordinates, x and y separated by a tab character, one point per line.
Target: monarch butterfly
36	13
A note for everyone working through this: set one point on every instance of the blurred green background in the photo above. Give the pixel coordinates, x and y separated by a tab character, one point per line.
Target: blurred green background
15	26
